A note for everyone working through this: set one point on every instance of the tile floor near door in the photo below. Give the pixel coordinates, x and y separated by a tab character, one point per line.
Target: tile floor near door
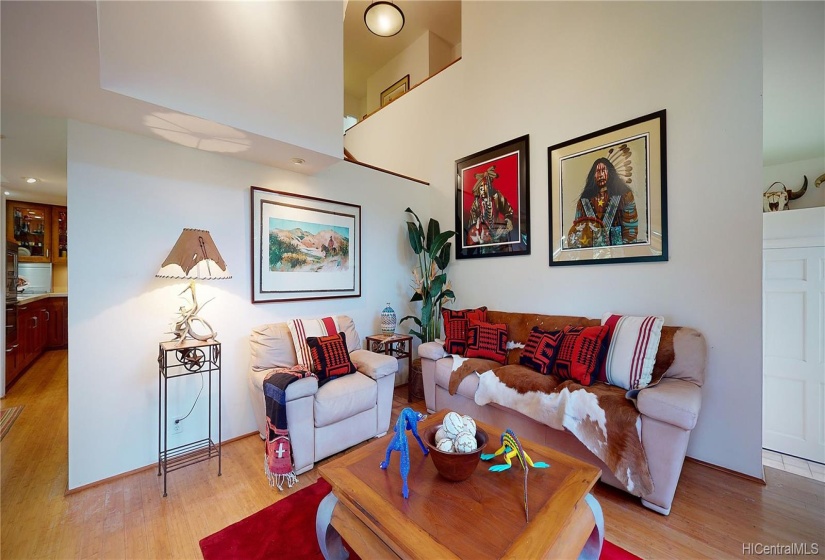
793	465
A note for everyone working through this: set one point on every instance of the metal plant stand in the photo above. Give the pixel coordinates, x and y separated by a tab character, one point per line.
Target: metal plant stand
176	359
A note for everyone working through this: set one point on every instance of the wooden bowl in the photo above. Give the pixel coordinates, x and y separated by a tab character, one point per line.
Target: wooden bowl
455	466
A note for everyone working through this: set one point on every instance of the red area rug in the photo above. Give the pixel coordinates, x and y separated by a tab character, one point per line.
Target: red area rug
287	529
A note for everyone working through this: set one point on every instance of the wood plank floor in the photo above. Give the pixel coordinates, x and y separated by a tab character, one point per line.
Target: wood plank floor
714	513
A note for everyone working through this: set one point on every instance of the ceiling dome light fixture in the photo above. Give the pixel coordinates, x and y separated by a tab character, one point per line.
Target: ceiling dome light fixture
385	19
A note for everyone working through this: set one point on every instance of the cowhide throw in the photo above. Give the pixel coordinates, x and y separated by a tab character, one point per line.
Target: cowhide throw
600	416
462	367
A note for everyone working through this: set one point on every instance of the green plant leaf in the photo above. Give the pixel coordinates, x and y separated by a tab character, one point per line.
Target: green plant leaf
437	283
416	297
443	258
411	317
442	238
415	238
409	210
446	294
426	312
433	231
418	335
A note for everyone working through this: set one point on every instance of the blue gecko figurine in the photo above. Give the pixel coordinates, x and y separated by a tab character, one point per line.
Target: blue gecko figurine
407	420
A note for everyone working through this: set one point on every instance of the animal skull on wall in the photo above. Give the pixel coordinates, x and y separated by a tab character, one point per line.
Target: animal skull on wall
774	201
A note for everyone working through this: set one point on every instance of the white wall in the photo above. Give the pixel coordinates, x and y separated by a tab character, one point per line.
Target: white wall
357	107
560	70
793	49
130	197
441	55
242	64
414	60
791	174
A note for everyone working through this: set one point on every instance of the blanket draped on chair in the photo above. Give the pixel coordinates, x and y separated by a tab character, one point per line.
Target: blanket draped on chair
278	456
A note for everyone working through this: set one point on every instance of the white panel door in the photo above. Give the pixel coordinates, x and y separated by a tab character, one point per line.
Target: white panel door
793	315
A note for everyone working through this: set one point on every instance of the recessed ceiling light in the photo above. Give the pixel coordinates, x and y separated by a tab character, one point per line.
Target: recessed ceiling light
7	193
298	161
30	180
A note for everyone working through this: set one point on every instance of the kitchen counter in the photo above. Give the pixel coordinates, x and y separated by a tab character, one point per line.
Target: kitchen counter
24	298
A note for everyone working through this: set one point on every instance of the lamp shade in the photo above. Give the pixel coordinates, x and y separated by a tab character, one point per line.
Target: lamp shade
385	19
194	257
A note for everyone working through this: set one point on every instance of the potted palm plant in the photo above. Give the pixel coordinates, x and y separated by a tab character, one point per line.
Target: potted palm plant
430	283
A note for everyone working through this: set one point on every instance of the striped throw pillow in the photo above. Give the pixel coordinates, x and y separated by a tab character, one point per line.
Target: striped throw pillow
631	354
301	329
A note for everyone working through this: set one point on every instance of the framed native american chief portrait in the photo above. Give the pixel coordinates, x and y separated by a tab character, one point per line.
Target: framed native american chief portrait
608	195
492	202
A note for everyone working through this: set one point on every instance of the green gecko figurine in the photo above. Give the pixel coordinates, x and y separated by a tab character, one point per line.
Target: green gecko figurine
511	447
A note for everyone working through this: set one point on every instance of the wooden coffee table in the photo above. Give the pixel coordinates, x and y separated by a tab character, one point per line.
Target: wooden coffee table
481	517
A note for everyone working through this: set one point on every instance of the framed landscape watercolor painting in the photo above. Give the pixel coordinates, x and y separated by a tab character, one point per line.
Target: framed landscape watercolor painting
304	247
608	195
492	201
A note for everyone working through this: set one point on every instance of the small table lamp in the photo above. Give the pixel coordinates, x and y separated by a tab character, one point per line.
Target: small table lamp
194	257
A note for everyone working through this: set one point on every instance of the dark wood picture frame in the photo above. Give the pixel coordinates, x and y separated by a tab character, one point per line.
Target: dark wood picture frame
395	91
616	175
304	247
492	201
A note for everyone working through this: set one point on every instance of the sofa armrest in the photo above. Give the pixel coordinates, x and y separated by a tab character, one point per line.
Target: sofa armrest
373	364
672	401
432	351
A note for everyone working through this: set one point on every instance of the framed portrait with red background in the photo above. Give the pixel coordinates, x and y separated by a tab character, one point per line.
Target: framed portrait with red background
492	201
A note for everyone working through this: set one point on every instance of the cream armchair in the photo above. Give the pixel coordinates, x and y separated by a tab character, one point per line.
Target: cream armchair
326	420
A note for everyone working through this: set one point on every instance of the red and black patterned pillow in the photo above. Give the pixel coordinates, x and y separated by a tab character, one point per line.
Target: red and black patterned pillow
455	327
330	358
541	350
487	340
581	353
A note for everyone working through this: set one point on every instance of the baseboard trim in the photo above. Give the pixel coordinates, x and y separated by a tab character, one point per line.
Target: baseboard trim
154	465
756	479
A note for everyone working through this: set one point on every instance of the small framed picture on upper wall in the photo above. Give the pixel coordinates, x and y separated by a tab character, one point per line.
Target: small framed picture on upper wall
395	91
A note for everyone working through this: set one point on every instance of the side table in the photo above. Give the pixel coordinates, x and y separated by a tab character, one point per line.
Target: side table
398	345
179	359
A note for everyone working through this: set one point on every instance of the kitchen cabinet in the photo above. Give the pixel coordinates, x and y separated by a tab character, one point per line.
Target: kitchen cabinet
40	230
14	361
32	333
41	325
58	322
30	226
60	226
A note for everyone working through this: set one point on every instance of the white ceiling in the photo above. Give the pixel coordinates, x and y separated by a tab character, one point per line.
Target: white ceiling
51	71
